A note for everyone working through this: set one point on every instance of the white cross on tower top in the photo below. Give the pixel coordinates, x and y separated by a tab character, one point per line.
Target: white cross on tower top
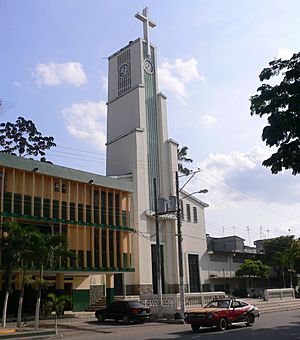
146	24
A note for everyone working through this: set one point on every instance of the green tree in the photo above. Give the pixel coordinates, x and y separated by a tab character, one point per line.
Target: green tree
14	246
27	258
293	256
50	250
252	268
297	257
281	104
55	304
283	253
23	139
182	159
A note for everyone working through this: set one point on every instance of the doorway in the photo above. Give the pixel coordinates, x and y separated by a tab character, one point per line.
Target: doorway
118	284
194	274
154	268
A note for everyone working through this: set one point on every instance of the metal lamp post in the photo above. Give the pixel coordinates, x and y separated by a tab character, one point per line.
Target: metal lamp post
179	234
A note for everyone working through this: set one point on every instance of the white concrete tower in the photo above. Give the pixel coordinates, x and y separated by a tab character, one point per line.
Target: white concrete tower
138	146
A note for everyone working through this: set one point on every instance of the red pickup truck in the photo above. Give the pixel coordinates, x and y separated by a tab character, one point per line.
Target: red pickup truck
221	313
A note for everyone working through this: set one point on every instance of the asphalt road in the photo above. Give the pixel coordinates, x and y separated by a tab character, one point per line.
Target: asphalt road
274	326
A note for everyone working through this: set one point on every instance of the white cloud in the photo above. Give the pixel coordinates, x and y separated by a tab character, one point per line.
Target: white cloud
86	121
243	192
171	83
174	77
16	83
104	81
235	160
218	171
238	178
284	53
186	70
52	74
207	120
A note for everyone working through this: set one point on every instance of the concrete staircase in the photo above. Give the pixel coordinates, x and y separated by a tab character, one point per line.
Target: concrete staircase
274	305
101	303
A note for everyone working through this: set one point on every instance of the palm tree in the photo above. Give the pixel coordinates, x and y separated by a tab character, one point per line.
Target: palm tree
292	254
182	158
55	304
26	280
283	262
48	249
27	258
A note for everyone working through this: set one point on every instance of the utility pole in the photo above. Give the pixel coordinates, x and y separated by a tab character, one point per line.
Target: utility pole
180	259
158	257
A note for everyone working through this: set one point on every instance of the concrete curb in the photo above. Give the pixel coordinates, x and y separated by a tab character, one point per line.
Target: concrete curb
167	321
30	334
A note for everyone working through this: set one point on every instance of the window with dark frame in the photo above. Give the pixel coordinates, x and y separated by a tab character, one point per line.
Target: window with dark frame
188	213
64	188
56	186
195	215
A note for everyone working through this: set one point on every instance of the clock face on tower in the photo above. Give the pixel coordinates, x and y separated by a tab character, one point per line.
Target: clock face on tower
148	66
124	70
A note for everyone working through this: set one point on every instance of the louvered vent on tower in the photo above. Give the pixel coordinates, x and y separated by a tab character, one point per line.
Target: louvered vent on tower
124	64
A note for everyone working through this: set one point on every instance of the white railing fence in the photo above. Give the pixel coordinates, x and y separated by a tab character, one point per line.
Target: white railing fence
283	293
171	302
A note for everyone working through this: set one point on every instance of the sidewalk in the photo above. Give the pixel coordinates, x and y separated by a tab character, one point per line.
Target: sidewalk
46	326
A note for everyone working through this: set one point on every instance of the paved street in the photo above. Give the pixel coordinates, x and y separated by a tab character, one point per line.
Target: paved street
279	325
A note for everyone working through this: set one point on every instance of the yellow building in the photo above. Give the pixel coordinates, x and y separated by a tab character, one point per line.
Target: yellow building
93	211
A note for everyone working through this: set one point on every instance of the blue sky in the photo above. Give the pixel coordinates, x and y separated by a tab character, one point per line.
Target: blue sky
54	71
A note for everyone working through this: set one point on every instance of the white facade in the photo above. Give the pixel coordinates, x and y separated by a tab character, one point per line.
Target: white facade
194	241
138	145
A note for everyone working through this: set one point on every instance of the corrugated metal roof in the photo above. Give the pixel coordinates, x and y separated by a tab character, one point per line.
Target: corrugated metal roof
63	172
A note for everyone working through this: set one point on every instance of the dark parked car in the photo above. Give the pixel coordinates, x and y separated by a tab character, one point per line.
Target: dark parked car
124	310
221	313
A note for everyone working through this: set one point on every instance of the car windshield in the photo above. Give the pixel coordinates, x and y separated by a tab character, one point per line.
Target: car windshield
218	304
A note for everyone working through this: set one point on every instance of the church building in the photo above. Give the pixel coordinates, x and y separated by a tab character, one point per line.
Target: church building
140	150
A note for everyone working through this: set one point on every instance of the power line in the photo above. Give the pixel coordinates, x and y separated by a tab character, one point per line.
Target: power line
254	202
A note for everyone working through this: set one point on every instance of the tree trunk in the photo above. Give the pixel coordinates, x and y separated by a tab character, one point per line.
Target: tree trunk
20	306
291	280
38	302
283	278
37	309
5	308
56	329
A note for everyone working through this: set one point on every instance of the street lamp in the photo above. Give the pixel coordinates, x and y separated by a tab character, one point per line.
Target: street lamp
202	191
179	234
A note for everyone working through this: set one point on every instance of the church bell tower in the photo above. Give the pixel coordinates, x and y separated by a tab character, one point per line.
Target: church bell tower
137	140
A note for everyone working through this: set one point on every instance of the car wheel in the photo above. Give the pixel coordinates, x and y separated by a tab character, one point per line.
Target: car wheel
195	328
250	320
100	317
125	320
222	324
